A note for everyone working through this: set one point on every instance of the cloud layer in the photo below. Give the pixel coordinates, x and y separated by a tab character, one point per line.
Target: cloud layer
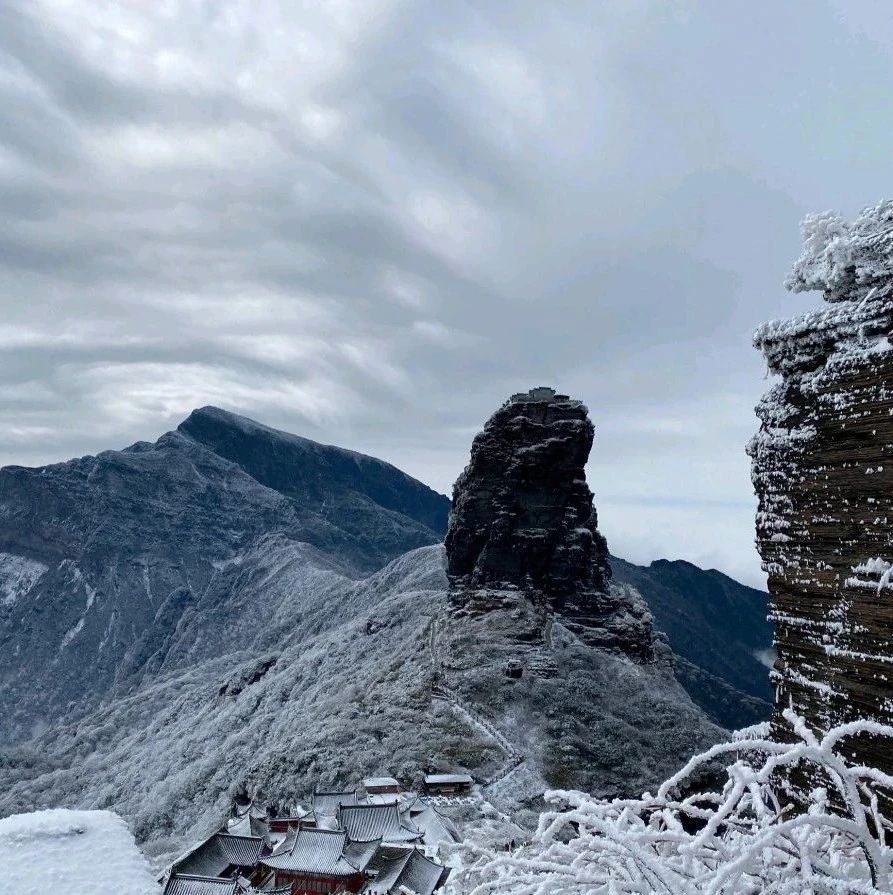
369	222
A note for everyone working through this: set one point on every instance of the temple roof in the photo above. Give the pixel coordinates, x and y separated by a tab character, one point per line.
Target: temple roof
221	851
375	782
377	821
328	803
323	852
411	870
448	778
247	825
190	884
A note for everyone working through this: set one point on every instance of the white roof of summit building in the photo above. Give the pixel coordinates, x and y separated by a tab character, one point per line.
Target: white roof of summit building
376	782
448	778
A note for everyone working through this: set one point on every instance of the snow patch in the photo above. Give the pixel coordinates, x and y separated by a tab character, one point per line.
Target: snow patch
18	575
71	853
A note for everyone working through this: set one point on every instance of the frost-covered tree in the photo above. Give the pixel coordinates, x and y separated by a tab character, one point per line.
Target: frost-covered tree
751	837
839	256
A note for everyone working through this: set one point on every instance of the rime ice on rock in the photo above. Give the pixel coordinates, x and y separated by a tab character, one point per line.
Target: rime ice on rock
823	473
523	518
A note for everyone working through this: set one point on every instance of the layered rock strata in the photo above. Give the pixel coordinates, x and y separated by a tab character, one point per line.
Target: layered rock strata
823	473
523	520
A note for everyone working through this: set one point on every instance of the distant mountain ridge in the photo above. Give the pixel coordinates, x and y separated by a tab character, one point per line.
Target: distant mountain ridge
101	556
104	559
718	630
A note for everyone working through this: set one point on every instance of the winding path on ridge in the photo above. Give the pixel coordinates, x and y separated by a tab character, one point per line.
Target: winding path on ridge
514	758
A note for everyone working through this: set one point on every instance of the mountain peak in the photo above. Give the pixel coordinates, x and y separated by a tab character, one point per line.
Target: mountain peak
523	518
210	417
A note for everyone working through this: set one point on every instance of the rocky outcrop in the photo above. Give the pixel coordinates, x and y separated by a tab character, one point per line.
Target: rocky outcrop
523	519
823	473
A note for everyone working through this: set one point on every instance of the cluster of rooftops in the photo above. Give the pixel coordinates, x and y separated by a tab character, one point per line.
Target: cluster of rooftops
377	839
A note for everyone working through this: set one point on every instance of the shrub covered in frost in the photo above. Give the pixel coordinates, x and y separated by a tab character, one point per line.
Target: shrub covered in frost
839	257
748	838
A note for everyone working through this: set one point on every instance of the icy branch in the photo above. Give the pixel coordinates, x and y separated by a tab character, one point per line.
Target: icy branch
747	839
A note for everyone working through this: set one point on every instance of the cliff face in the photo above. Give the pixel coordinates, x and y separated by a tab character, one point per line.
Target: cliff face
823	472
522	518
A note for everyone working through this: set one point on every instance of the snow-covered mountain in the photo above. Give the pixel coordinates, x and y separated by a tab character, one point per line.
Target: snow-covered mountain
103	560
720	635
328	679
190	618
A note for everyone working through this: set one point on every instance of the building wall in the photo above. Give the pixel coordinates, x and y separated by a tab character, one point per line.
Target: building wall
303	884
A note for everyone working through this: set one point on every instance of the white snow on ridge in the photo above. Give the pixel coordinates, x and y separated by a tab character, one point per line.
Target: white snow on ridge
71	853
18	575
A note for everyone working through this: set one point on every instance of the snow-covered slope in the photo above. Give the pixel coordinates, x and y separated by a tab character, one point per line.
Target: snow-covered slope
71	853
719	632
314	679
104	560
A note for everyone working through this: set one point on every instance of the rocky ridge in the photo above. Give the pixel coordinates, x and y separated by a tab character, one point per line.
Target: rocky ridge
105	559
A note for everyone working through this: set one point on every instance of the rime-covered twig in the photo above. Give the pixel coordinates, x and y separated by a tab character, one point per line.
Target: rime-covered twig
751	838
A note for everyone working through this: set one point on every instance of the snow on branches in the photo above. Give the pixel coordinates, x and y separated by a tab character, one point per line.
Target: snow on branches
748	838
839	257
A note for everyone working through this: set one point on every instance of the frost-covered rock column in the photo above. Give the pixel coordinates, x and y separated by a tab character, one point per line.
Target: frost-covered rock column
823	473
523	519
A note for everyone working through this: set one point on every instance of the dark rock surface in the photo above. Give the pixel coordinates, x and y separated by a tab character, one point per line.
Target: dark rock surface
522	517
101	558
823	474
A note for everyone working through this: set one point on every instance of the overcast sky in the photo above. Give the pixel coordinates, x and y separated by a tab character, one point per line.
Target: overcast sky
370	222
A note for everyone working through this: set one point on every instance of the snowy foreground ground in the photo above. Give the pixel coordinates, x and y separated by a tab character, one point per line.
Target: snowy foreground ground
71	853
746	839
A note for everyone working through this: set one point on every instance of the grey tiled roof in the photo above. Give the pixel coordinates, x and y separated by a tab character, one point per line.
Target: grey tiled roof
328	803
213	856
186	884
411	870
437	828
422	875
241	850
363	822
324	852
361	853
248	825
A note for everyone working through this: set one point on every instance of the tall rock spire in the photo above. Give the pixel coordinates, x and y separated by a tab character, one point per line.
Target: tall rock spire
823	473
523	518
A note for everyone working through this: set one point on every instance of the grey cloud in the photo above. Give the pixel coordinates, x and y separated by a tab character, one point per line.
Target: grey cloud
370	227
